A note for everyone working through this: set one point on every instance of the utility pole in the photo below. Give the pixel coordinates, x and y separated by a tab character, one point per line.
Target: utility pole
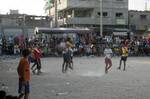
24	25
101	18
56	14
145	5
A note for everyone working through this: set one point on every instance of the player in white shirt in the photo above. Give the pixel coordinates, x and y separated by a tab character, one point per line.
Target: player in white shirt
108	54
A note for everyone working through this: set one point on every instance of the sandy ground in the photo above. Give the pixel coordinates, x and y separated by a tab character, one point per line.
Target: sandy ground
86	81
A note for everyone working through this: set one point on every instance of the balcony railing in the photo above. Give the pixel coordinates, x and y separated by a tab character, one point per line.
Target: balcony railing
86	20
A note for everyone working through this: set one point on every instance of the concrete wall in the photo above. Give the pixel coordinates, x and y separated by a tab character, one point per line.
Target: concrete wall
110	6
83	3
137	23
17	24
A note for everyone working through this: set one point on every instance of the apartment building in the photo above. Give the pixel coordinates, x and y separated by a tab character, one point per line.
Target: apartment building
14	24
139	21
86	13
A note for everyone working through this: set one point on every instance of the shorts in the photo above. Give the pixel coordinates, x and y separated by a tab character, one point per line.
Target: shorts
124	58
108	61
31	59
67	57
23	88
38	64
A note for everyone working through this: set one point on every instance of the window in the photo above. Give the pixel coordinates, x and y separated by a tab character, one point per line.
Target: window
131	15
119	15
83	13
98	13
143	17
146	27
105	14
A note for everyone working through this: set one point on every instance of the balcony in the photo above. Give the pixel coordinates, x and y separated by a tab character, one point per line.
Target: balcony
83	21
121	21
83	3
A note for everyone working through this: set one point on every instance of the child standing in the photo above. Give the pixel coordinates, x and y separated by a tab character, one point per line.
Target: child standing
24	75
67	60
37	53
108	62
124	56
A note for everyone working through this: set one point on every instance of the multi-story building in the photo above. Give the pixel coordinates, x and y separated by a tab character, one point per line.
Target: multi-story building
139	21
14	24
86	13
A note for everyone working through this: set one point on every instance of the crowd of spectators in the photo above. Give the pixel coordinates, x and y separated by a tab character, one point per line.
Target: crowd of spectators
85	45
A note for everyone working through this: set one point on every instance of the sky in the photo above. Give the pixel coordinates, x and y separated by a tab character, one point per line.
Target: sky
32	7
36	7
139	4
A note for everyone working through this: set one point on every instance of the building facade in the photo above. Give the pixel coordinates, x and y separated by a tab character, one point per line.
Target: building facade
139	21
86	13
21	24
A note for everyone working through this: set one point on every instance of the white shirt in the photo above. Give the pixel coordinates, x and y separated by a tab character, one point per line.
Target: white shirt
107	52
63	45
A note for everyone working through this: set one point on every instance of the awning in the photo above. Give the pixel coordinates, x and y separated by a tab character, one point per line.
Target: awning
39	30
120	33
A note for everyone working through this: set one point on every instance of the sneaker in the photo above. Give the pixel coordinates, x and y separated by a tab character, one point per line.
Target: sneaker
119	68
106	72
33	72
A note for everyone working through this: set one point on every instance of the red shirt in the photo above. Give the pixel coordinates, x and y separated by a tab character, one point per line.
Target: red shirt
37	53
24	69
